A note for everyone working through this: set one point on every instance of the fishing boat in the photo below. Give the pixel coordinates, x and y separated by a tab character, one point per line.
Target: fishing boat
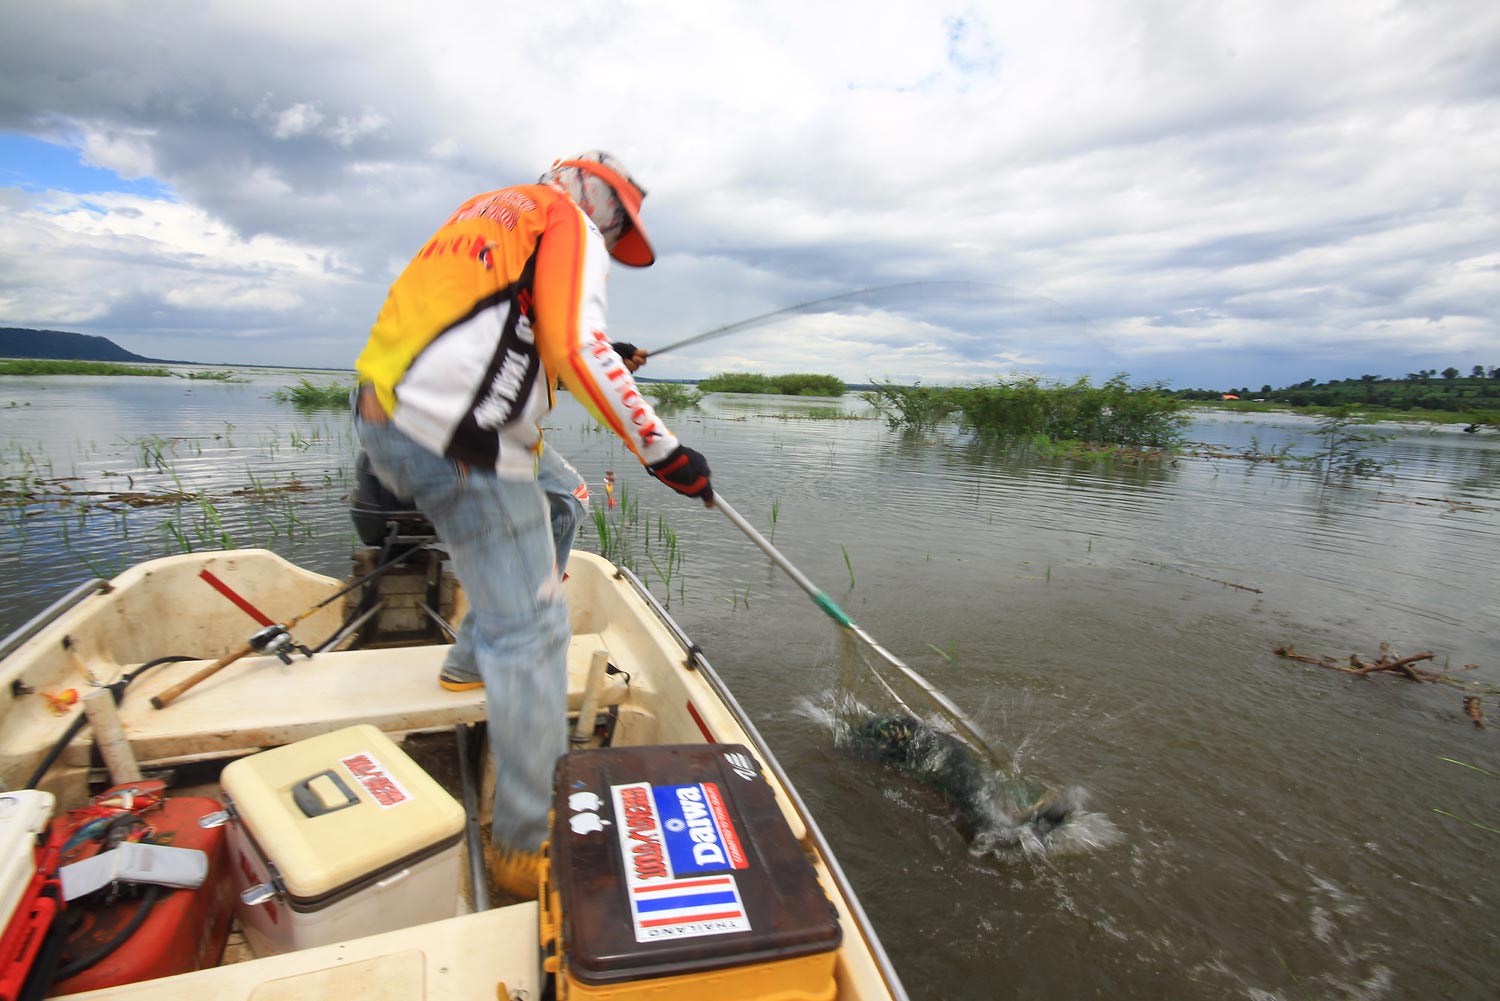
265	701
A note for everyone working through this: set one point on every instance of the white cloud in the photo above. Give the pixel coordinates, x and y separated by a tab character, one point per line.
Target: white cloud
126	152
297	120
349	129
1165	188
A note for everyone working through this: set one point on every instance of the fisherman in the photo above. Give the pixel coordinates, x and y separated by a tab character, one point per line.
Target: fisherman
504	299
568	504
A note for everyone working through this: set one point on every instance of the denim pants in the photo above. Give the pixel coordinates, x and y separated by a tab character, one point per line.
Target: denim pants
559	481
498	535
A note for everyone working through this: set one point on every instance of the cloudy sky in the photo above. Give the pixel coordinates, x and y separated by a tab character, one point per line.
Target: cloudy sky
1208	194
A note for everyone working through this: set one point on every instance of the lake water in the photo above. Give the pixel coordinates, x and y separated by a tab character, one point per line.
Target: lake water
1257	827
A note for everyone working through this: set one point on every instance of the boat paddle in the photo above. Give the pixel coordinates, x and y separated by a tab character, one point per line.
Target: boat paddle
967	727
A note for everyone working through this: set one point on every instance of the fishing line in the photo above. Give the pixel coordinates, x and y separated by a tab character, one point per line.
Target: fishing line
753	321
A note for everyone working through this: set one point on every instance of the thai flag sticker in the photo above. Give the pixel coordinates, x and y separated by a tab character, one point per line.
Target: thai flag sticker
685	908
678	863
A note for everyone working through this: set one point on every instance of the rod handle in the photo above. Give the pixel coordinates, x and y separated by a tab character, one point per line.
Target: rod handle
165	698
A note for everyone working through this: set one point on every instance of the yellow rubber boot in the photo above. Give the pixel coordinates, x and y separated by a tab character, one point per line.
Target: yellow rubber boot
515	872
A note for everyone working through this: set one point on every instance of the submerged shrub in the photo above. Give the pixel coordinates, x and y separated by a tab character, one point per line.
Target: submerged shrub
808	384
670	395
737	382
794	384
1114	413
911	406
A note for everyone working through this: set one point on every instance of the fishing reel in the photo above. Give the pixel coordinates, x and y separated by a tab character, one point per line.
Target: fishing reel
274	639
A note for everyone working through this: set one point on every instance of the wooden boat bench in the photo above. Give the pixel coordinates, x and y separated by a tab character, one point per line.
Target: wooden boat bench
245	706
462	957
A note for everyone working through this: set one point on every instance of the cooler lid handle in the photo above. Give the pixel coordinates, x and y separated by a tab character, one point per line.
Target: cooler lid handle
318	802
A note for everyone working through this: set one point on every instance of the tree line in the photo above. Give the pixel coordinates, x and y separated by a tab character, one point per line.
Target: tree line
1429	389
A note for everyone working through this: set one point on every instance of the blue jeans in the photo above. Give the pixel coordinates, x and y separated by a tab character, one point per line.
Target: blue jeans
559	481
498	535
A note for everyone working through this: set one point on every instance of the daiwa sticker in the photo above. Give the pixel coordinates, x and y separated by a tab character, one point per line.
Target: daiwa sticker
680	850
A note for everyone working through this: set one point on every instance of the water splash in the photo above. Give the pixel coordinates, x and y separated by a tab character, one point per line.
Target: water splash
999	810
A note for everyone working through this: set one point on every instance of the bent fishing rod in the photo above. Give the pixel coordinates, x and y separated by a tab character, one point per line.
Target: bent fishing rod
969	728
738	325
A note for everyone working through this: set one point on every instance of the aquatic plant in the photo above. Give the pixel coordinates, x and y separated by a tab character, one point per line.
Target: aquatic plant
1289	973
950	654
1114	413
49	366
817	414
1454	816
794	384
152	449
307	395
670	395
1347	440
627	538
915	406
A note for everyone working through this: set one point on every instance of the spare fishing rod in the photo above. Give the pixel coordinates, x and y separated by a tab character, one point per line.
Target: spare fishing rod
966	726
273	639
738	325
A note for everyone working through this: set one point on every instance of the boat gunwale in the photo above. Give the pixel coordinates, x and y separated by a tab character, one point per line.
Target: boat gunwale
697	661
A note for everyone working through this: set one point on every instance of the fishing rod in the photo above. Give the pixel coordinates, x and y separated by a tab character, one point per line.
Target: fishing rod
730	328
274	638
968	727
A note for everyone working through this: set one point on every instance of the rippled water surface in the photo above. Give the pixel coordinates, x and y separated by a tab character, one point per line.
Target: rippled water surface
1266	828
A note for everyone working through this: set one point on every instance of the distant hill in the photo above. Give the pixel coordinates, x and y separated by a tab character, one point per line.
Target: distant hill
20	342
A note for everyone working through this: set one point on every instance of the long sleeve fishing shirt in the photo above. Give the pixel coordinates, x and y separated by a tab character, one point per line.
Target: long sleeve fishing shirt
506	298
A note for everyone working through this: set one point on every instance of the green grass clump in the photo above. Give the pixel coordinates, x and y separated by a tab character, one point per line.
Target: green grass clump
670	395
210	375
794	384
307	395
1114	413
51	366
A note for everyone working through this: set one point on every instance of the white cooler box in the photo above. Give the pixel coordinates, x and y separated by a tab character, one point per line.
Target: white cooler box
337	837
23	815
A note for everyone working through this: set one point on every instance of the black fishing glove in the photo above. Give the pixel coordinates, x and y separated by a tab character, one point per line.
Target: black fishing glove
632	356
685	471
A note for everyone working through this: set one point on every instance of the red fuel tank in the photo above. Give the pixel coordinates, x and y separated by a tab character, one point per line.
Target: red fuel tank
184	930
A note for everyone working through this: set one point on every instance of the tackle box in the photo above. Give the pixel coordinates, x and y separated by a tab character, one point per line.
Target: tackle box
181	930
336	837
674	874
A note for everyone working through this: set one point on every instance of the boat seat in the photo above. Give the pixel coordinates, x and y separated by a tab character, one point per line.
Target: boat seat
244	707
461	957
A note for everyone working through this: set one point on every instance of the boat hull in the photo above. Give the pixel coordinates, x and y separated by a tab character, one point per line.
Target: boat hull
667	693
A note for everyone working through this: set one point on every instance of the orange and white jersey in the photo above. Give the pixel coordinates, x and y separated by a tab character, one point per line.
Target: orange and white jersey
505	299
